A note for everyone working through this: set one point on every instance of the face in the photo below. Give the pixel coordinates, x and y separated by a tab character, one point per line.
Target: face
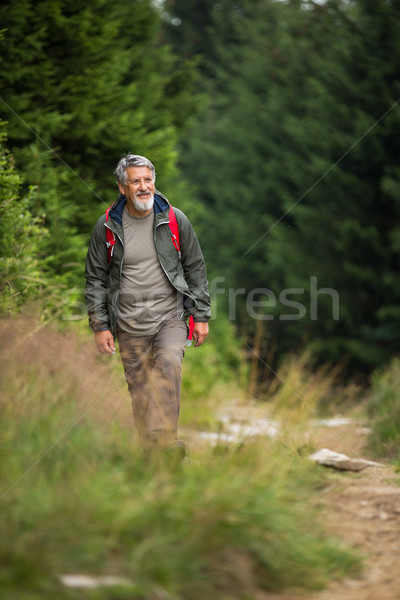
139	190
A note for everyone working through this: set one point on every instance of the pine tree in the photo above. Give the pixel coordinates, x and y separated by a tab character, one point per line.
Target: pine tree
198	28
296	157
82	85
344	226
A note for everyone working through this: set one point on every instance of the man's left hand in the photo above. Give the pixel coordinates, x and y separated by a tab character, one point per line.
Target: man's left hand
200	333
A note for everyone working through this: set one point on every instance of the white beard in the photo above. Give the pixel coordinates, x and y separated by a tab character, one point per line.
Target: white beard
143	206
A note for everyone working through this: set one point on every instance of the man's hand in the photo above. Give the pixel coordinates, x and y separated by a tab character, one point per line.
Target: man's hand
200	333
104	342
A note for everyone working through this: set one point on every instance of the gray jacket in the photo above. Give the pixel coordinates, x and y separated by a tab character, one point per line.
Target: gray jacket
187	273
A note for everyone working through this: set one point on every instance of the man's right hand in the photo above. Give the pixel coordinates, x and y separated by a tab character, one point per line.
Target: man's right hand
104	342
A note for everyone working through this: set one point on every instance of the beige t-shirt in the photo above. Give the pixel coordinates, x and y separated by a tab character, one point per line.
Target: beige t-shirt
146	296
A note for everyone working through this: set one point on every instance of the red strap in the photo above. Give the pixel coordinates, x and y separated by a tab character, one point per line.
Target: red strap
174	229
191	327
110	237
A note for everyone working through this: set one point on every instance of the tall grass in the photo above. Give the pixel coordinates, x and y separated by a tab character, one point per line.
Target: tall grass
76	496
384	411
211	374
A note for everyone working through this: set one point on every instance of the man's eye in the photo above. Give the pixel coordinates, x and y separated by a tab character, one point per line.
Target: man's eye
148	180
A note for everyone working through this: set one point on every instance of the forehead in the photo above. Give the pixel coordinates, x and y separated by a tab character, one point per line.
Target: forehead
138	172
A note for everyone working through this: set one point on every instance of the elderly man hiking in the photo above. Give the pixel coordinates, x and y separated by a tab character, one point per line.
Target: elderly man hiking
145	275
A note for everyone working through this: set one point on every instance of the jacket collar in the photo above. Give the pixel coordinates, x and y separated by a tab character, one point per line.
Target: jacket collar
161	205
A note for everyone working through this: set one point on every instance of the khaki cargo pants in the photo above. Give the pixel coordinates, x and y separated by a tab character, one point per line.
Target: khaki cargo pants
153	371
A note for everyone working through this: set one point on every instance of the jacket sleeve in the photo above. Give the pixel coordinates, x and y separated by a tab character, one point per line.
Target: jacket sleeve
96	275
194	267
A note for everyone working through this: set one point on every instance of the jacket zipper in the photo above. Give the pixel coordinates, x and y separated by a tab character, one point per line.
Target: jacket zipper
163	268
120	275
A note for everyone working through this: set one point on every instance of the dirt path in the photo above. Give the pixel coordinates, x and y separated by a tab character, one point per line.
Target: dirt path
363	509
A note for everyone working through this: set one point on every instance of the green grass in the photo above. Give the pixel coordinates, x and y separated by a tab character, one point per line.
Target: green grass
384	411
212	373
77	497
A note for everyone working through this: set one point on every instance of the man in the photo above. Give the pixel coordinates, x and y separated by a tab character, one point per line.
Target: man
143	296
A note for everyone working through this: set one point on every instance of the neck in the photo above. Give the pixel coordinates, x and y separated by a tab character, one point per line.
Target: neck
137	213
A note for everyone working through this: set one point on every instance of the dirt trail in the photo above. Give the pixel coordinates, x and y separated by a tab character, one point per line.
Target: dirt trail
363	509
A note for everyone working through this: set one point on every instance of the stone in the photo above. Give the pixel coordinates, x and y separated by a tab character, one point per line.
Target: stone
91	582
335	460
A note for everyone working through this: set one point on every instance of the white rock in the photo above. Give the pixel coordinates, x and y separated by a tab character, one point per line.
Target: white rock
334	422
235	433
328	458
90	582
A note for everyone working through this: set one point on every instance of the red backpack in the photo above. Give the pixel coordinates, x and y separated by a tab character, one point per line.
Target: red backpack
174	231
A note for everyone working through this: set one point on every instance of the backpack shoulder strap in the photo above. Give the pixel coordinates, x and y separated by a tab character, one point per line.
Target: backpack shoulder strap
110	243
174	231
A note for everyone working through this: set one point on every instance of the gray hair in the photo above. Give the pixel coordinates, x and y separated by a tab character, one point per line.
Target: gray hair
132	160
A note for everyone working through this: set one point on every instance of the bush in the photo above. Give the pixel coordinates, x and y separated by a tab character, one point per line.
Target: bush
21	273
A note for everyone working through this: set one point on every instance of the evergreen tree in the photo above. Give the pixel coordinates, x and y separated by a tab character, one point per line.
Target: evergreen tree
82	85
22	235
198	28
344	227
298	165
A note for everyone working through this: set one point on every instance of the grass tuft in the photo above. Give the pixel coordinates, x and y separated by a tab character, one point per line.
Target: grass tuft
384	411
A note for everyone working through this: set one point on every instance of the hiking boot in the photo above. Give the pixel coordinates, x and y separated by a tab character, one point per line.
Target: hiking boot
177	451
180	449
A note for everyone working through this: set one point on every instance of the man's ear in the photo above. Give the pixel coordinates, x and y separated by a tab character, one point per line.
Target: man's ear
121	188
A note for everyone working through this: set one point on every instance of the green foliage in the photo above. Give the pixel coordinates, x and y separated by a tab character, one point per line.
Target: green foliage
384	410
198	28
22	275
77	497
27	271
296	159
83	85
211	373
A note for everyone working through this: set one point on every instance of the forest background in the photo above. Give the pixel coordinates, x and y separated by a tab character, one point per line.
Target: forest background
274	125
